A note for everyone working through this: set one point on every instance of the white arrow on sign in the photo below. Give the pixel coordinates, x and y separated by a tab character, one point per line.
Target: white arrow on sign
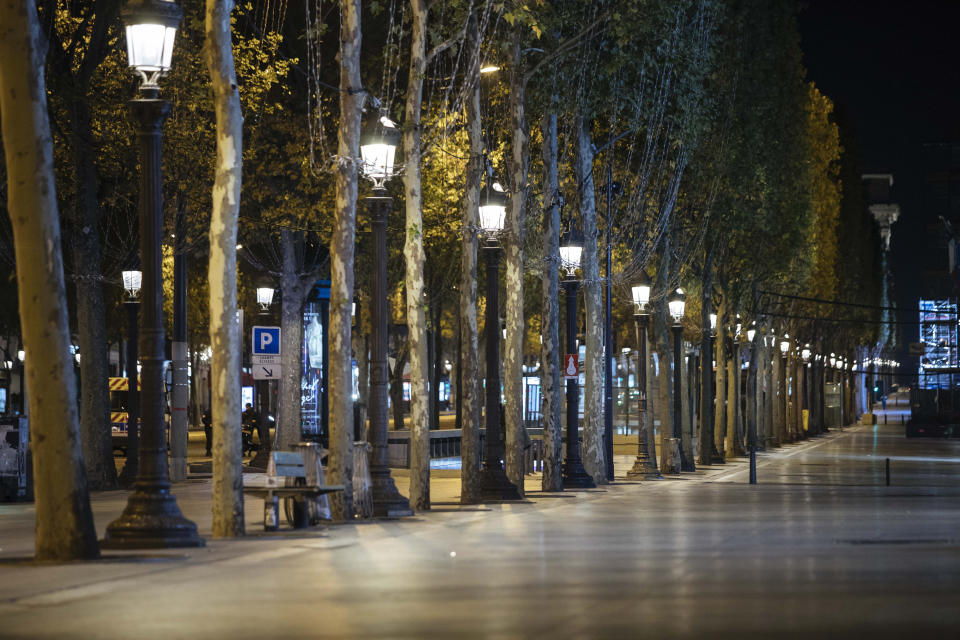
266	372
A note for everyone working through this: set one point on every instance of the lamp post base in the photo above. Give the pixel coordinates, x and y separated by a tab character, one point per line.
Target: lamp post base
387	501
643	470
496	487
151	520
576	477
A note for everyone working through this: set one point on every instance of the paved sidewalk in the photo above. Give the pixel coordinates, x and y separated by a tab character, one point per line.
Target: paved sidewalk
821	547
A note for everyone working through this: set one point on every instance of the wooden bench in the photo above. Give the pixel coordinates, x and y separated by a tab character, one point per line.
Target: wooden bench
288	464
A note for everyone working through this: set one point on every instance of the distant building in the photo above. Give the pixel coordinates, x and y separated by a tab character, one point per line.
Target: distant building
878	196
939	284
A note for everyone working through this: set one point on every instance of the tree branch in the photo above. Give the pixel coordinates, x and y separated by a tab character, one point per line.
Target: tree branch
563	47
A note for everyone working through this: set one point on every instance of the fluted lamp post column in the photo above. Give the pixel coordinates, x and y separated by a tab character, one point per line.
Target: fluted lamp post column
152	518
132	281
574	474
676	304
378	146
645	466
264	293
494	484
782	432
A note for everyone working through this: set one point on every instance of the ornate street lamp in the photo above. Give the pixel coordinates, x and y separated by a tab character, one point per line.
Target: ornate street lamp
152	517
132	280
494	484
571	248
676	304
265	291
645	466
378	147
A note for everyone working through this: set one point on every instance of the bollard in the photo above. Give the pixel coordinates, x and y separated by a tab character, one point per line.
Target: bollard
271	513
888	472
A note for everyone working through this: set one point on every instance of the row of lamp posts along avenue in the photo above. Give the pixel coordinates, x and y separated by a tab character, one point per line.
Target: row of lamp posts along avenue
152	517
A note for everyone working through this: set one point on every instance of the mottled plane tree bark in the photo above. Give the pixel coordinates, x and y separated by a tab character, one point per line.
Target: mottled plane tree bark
550	329
227	505
468	374
342	243
414	258
64	521
593	448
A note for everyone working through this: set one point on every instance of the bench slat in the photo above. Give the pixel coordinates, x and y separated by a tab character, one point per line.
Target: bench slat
287	457
287	470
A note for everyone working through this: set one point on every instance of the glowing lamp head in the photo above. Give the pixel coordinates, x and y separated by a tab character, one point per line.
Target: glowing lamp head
785	344
713	323
493	209
131	283
571	249
265	293
378	148
641	291
752	332
151	27
676	303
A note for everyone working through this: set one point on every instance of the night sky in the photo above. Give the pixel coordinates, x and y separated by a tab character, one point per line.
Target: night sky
892	70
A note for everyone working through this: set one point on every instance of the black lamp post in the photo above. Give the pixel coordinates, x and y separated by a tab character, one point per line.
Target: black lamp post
781	417
131	284
752	409
494	484
676	304
152	517
574	475
645	466
378	146
264	292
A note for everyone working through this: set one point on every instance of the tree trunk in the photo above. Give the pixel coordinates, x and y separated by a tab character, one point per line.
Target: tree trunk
64	521
593	449
293	291
734	419
468	374
515	237
550	327
768	397
224	332
342	262
414	257
761	353
91	315
720	391
777	392
706	364
664	379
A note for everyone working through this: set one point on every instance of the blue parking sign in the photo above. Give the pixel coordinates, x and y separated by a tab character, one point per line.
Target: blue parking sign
266	341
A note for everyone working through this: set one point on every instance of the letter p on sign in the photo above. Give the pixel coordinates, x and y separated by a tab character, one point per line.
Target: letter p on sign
266	341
